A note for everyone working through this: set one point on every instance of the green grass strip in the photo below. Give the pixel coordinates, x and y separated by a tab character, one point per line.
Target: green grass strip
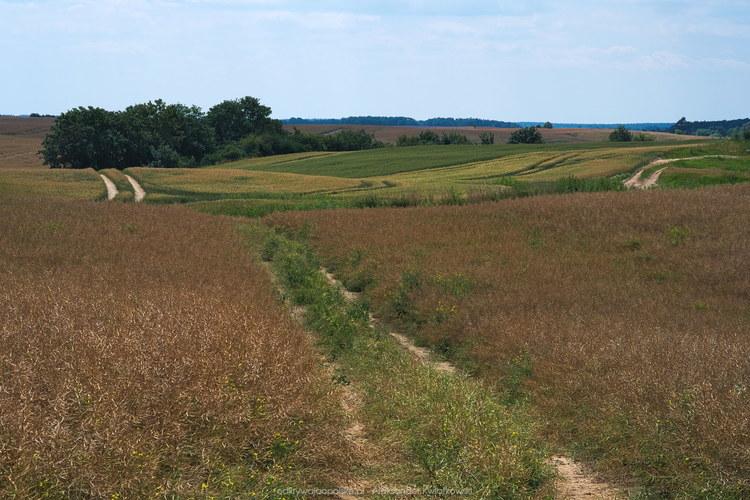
454	432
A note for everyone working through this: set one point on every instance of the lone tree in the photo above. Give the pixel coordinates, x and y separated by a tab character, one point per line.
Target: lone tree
621	134
526	135
547	125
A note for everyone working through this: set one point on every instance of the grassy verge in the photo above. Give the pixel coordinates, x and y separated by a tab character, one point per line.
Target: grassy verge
449	431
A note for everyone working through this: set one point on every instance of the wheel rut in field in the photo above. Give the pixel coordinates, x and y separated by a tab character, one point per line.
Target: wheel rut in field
138	190
351	403
573	483
111	188
637	182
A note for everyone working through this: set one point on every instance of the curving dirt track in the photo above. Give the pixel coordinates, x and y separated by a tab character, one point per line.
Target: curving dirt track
111	188
139	192
637	182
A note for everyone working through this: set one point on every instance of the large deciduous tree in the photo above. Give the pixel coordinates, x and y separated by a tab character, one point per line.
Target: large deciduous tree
232	120
86	138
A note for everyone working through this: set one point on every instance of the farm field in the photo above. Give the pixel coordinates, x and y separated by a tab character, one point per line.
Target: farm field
609	327
20	139
145	355
76	184
619	318
390	134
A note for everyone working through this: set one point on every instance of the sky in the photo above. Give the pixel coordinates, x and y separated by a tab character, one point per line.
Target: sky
582	61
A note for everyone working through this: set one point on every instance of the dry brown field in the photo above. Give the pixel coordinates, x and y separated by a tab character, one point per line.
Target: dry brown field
21	139
145	354
622	318
391	134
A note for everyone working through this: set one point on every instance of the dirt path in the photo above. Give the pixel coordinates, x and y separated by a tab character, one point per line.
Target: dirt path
139	192
636	182
111	188
573	482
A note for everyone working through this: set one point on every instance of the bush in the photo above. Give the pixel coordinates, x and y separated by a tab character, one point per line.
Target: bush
486	138
526	135
621	134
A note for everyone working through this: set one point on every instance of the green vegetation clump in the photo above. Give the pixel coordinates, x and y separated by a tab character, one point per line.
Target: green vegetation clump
621	134
526	135
430	138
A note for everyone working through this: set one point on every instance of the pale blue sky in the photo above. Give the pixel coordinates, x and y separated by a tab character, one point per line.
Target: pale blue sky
565	61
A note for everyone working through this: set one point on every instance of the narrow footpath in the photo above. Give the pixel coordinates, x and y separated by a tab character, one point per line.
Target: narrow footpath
574	481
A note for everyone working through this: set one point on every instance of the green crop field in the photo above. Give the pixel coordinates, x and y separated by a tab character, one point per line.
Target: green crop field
389	161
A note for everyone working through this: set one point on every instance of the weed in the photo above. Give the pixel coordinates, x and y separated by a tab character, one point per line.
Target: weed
633	244
676	235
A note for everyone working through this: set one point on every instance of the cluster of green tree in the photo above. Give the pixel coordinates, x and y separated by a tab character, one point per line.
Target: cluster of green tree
157	134
622	134
723	128
429	138
402	121
37	115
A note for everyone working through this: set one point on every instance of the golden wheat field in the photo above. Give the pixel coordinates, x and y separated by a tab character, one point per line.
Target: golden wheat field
145	354
621	318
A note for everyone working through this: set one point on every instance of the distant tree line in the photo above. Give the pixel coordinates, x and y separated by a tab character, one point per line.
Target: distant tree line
429	138
723	128
158	134
402	121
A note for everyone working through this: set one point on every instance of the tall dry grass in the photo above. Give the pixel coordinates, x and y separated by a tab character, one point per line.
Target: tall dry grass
144	354
622	317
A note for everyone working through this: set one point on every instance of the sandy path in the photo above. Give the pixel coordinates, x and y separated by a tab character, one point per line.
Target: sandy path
573	483
111	188
636	182
139	192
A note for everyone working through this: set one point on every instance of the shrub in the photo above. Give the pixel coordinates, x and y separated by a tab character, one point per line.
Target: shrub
621	134
526	135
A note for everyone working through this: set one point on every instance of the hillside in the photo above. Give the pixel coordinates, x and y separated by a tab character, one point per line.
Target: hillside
21	139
